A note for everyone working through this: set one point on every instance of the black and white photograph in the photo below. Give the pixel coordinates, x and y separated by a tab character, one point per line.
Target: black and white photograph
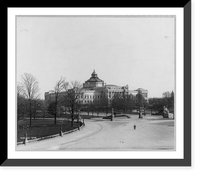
101	90
99	87
95	83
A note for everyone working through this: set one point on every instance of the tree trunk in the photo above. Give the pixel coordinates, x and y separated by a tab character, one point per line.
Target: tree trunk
72	116
72	120
55	114
30	112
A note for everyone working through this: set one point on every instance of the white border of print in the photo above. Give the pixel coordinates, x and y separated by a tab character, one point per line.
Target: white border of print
12	154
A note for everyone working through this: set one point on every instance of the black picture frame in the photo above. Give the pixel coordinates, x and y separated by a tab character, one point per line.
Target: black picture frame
186	161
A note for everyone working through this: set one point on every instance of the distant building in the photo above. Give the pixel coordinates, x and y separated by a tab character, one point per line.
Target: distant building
143	91
95	90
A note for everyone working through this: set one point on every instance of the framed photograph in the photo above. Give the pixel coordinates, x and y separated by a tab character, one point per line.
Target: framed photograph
99	86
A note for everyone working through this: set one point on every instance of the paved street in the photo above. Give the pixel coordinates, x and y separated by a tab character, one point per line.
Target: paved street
151	133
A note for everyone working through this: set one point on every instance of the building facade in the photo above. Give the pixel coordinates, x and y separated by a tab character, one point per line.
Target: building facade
95	90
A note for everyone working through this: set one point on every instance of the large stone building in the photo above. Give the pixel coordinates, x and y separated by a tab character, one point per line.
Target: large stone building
96	90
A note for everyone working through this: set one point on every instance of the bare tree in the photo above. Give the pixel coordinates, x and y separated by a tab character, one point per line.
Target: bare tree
140	99
72	97
21	101
30	88
44	108
118	102
20	90
36	107
57	89
140	102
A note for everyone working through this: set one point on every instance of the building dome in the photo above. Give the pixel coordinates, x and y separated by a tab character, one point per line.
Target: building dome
93	82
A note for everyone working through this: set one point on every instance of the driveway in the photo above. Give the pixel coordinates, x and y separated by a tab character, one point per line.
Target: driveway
151	133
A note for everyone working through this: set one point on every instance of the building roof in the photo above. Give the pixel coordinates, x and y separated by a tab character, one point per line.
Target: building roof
108	85
140	89
94	78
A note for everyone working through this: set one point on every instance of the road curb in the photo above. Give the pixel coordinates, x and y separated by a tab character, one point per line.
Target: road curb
51	136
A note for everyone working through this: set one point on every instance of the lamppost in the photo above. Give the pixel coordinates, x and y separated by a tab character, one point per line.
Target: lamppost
61	133
140	112
79	117
25	128
112	114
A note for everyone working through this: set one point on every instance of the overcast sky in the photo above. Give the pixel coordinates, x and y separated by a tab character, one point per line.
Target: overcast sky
138	51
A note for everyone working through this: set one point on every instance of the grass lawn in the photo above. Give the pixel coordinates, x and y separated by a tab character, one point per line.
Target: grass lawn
42	127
